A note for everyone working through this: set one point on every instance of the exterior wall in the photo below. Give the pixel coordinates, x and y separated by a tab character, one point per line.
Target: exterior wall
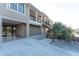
21	30
6	12
36	26
0	29
35	30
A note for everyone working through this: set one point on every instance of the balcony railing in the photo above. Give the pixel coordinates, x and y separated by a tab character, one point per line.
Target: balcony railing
46	23
39	20
32	18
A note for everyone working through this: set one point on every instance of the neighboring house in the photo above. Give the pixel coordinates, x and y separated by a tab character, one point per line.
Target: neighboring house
21	20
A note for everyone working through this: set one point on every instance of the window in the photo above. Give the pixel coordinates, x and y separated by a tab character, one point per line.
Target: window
13	6
16	6
39	18
32	18
32	15
21	7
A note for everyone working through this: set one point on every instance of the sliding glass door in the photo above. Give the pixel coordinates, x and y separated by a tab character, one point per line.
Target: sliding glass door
8	30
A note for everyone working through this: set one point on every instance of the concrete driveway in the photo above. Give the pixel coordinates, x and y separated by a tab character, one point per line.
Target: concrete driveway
33	47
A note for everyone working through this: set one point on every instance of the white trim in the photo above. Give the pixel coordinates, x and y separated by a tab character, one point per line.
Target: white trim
8	7
35	23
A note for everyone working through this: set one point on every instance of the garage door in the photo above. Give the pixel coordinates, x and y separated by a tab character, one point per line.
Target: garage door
35	30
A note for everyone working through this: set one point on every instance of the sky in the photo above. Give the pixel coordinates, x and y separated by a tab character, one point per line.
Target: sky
65	11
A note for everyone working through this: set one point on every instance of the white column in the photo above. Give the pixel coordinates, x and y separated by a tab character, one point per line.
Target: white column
0	30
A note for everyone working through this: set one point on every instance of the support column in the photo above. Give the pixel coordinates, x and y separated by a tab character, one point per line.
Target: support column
0	29
41	18
28	19
36	17
20	30
28	33
41	30
42	25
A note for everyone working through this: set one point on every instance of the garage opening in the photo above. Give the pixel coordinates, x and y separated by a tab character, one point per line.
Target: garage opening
35	30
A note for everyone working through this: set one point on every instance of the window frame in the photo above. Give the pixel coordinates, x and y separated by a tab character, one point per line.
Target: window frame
8	7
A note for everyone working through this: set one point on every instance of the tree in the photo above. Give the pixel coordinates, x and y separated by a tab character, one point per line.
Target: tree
60	31
57	30
68	34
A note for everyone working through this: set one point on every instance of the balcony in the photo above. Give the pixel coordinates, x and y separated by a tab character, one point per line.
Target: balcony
32	18
39	20
45	23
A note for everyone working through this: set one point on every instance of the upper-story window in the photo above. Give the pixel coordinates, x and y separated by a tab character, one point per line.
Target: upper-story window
13	6
32	15
17	7
21	7
39	18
